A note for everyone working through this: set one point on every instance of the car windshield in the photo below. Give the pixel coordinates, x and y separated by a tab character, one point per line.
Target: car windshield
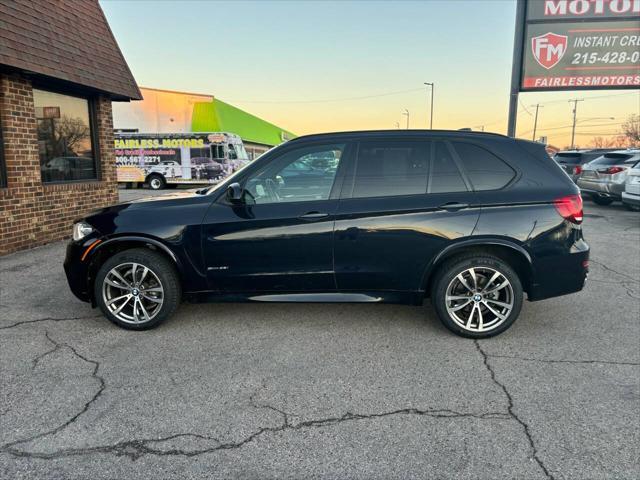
213	188
241	153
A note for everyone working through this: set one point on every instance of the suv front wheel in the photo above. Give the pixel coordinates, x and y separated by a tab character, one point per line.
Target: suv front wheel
477	296
137	289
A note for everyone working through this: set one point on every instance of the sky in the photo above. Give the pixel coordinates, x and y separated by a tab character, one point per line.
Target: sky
318	66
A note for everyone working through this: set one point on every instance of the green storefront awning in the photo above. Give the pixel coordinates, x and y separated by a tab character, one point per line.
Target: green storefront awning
218	116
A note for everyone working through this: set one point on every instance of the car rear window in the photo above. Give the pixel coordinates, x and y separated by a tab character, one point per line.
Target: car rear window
612	159
484	169
568	157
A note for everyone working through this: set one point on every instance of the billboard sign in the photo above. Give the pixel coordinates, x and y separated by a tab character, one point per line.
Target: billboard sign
580	44
582	9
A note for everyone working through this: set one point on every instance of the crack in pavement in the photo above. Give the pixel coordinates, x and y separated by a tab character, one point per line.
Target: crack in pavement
628	277
56	347
137	448
588	362
9	447
628	283
512	413
47	319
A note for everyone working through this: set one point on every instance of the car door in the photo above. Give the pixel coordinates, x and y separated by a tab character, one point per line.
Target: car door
403	201
279	239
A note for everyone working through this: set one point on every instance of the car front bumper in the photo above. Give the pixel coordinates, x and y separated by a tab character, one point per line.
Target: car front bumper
76	267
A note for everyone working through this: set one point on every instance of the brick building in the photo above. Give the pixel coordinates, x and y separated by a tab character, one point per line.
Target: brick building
60	69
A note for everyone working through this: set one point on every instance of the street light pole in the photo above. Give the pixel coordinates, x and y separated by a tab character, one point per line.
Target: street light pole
432	89
406	112
535	122
573	129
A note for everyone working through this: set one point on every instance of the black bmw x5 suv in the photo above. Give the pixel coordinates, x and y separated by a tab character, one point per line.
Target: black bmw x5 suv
471	220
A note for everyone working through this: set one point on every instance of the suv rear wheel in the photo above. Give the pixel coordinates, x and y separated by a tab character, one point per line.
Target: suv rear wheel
477	296
137	289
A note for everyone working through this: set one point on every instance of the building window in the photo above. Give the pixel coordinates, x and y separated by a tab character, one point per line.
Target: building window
66	142
3	168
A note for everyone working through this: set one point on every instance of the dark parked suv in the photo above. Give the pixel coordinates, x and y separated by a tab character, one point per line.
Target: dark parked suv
472	220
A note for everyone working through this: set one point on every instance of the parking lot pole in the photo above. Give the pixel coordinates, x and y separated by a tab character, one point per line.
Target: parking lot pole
516	68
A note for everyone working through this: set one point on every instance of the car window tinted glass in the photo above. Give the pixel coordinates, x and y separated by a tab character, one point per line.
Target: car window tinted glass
304	174
64	137
484	169
568	157
391	168
445	175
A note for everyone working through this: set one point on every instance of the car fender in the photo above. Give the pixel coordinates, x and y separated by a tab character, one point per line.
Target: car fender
142	239
451	250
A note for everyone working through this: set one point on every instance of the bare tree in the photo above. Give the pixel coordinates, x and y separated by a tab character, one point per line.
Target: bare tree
66	136
72	131
631	130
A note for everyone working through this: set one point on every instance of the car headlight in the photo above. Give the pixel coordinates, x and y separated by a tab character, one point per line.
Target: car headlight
81	230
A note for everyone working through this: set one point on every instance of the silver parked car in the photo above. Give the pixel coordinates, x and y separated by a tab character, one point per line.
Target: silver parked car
571	161
631	194
603	179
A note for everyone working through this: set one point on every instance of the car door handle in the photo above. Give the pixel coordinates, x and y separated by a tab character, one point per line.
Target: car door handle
313	216
453	206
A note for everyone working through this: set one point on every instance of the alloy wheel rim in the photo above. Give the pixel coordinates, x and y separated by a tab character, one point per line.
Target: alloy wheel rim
479	299
155	183
132	293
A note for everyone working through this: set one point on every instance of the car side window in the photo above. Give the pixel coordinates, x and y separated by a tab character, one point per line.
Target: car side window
445	174
391	168
303	174
484	169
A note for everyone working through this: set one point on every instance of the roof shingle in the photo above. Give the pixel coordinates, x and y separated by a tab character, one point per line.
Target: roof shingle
65	39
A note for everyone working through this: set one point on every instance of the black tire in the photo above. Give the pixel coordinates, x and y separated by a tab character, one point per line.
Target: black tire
633	208
156	181
165	274
451	269
604	201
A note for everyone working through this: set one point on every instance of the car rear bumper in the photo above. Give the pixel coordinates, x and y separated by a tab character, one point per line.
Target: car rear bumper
560	274
602	189
630	198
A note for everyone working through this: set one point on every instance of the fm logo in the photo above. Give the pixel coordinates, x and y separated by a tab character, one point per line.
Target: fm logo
548	49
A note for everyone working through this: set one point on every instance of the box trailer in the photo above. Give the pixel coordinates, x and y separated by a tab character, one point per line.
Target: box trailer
161	159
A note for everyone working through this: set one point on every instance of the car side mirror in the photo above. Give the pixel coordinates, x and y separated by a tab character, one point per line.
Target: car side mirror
234	193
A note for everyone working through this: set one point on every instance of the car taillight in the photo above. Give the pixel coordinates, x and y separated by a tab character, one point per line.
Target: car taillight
570	207
611	170
577	170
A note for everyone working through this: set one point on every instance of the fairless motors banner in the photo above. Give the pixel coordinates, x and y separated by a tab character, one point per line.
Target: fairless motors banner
581	44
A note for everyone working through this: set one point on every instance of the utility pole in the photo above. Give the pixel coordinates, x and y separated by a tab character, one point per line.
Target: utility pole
406	112
575	110
535	121
432	89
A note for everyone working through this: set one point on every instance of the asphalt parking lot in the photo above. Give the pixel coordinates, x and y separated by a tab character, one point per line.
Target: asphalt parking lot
323	391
